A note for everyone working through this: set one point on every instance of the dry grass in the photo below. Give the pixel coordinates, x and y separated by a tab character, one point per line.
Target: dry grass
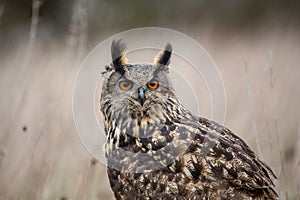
41	156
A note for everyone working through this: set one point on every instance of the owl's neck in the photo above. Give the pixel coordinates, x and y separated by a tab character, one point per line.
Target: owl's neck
126	119
137	129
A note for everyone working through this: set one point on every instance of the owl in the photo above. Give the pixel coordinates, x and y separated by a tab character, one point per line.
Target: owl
157	149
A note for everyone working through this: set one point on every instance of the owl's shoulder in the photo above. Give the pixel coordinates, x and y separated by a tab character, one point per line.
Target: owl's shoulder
219	158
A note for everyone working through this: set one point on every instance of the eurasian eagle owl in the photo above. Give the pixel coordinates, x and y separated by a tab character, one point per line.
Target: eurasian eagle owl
157	149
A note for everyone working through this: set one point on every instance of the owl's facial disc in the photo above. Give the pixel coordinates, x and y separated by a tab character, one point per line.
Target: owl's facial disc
136	89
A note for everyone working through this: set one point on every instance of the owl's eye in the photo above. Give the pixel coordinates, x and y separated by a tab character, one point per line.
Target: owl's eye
153	85
125	85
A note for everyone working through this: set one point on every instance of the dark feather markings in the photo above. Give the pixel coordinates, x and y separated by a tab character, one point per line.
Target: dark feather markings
164	57
118	55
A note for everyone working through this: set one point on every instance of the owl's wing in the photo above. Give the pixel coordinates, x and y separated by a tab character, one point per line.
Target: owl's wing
217	154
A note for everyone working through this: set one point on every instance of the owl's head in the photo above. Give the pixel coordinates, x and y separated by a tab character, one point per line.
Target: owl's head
136	90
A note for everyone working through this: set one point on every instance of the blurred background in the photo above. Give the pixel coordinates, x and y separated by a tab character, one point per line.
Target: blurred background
42	43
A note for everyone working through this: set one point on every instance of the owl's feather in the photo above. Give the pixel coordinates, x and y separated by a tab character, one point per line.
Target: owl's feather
191	157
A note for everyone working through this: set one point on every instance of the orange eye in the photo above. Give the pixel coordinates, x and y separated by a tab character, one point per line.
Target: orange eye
125	85
153	85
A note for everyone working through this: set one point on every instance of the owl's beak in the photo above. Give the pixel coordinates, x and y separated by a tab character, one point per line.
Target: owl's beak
141	94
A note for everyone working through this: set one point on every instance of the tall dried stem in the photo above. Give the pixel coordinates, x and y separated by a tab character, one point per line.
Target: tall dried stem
251	109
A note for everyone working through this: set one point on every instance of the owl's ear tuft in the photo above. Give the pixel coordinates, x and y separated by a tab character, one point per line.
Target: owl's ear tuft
118	54
163	57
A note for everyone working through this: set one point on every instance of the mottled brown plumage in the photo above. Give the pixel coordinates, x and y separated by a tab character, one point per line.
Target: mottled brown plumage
157	149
